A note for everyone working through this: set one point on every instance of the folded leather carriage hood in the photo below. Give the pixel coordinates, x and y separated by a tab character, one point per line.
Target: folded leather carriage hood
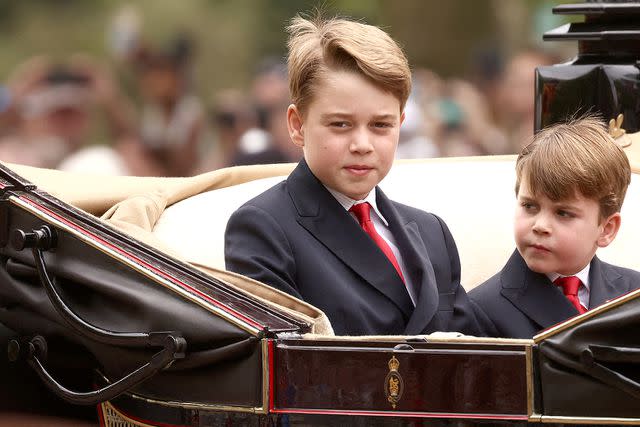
590	367
84	298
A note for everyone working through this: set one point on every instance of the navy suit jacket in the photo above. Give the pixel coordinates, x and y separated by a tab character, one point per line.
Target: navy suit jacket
520	303
296	237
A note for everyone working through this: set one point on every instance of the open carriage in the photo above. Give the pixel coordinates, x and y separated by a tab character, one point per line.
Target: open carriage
114	293
139	300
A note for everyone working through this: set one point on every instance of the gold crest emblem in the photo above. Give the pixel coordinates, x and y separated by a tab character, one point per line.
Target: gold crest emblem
618	133
393	384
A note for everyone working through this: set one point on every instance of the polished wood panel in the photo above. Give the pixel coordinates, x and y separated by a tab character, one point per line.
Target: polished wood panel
474	380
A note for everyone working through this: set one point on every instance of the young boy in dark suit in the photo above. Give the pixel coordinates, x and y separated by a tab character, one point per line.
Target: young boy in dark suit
328	235
570	185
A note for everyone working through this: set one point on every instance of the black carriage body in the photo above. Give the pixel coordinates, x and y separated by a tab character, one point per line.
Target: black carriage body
570	90
118	306
604	78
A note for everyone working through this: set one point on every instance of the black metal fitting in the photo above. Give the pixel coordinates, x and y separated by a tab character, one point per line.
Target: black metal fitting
44	238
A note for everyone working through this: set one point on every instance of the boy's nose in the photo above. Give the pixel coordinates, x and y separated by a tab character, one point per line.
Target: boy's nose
541	224
361	141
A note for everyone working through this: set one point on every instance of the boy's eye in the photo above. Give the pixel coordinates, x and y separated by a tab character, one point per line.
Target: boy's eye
339	124
528	205
382	125
565	214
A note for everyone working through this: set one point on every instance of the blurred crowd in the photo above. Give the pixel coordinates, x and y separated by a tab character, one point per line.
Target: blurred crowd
156	123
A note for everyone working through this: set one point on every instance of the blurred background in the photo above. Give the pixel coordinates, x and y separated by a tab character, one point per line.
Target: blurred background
176	88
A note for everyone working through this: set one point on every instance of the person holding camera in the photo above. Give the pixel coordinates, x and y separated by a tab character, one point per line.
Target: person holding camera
51	109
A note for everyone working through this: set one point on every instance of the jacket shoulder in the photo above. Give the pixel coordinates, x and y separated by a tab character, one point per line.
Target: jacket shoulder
626	273
488	291
270	199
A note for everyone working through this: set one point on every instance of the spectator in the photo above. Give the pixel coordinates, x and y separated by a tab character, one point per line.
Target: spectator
455	120
480	133
414	142
172	123
52	107
232	115
515	96
270	142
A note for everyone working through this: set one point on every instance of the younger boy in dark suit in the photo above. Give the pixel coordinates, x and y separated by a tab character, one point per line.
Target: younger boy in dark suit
570	185
328	235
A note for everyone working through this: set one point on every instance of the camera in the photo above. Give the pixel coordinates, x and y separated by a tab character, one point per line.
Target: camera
61	74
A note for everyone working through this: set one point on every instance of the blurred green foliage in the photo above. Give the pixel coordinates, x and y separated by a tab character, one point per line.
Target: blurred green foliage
233	35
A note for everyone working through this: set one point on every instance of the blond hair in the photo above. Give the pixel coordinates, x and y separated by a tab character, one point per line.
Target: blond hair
578	156
317	46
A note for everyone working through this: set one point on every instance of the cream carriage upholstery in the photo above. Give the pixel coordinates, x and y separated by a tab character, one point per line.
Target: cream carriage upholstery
474	195
186	217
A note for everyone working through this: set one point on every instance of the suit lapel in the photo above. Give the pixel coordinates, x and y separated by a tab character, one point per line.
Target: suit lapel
534	294
327	221
407	236
604	284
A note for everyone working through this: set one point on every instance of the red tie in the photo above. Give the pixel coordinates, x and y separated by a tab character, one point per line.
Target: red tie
570	286
362	212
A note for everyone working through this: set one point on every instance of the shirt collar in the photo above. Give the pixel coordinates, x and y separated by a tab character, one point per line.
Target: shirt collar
583	275
347	202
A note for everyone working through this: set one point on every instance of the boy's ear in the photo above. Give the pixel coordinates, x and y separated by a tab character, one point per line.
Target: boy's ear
402	117
294	125
610	227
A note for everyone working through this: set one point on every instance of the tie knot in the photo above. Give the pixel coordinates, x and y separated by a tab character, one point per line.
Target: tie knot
362	211
569	284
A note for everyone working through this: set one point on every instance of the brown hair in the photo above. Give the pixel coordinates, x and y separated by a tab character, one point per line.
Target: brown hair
577	156
318	45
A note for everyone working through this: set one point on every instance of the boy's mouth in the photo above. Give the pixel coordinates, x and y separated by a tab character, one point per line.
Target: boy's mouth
358	169
540	248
